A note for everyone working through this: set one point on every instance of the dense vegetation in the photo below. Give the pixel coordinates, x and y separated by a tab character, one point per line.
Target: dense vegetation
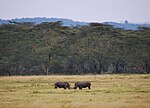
49	48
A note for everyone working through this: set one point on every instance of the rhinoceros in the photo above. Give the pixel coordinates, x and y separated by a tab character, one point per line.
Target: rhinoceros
82	84
62	85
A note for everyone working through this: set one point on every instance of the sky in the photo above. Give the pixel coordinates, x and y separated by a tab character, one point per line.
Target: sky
135	11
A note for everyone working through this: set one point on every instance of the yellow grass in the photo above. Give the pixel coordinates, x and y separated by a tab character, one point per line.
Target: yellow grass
107	91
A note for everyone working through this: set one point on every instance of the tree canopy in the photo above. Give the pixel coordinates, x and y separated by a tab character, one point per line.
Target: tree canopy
50	48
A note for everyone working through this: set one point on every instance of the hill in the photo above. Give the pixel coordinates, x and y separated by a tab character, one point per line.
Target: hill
68	22
127	26
39	20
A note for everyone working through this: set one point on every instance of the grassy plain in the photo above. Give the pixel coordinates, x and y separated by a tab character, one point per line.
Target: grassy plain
107	91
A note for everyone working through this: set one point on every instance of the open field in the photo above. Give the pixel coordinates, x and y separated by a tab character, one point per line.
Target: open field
107	91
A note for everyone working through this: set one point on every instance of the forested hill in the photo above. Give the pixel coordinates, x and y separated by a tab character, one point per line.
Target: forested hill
39	20
49	48
68	22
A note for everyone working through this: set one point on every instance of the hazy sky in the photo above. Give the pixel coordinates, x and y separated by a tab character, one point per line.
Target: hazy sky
80	10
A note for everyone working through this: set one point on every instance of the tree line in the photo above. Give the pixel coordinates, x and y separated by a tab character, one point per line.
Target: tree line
50	48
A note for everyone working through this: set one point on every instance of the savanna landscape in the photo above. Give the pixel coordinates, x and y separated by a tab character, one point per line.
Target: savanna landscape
107	91
74	54
35	56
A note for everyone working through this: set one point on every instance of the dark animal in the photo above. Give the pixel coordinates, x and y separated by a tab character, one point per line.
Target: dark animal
82	84
62	85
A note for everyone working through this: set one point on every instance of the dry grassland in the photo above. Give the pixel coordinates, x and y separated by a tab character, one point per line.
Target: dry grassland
107	91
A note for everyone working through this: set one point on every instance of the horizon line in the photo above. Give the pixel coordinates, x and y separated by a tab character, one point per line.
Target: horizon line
121	21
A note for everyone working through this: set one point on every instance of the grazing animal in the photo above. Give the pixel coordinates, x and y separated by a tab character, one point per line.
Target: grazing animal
62	85
82	84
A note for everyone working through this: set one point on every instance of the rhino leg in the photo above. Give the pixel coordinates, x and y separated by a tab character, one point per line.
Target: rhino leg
55	87
64	87
80	88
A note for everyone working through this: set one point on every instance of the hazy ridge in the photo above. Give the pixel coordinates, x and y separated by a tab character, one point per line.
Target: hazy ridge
69	22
